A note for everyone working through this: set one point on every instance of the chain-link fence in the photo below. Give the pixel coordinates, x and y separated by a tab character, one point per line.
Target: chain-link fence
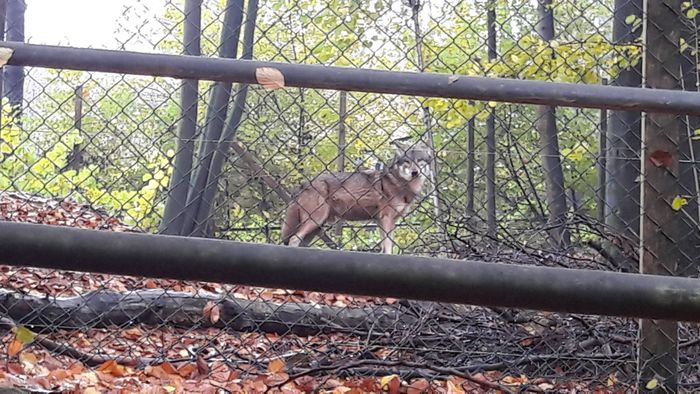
510	183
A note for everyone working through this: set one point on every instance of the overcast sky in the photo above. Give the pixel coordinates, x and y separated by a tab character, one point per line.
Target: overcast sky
83	23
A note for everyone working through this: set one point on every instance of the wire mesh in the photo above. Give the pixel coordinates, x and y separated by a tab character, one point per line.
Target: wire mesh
509	183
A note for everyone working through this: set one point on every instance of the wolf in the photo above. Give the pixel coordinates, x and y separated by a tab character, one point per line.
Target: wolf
380	195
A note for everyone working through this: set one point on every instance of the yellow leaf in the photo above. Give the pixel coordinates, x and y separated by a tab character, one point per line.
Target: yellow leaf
492	104
269	78
652	384
678	202
390	383
169	389
276	366
24	335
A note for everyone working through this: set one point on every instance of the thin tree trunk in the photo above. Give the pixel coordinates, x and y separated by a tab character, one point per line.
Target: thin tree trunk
602	163
547	127
434	168
215	118
340	160
471	164
13	87
624	142
491	128
76	157
3	12
173	217
223	147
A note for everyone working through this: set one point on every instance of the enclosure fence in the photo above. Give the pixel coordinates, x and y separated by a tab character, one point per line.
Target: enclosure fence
562	135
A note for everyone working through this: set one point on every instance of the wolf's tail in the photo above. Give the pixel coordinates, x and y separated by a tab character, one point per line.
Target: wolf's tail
291	223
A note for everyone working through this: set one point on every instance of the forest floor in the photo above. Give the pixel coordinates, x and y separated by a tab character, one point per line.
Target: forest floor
445	348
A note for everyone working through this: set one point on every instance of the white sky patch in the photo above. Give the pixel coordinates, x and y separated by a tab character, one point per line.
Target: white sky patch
83	23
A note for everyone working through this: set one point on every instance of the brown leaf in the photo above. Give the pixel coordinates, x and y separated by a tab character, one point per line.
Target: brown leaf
276	366
187	370
211	312
202	366
14	347
661	158
269	78
418	386
111	367
132	333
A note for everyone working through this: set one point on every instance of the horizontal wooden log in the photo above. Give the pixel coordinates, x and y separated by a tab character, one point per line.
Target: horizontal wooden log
403	277
107	308
360	80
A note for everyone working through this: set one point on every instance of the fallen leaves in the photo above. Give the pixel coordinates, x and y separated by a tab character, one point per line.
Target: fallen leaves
276	366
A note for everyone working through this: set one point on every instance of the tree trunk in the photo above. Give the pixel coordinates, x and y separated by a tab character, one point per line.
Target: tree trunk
661	224
233	122
491	128
624	142
602	163
689	255
215	118
471	164
340	160
428	136
551	163
173	217
13	87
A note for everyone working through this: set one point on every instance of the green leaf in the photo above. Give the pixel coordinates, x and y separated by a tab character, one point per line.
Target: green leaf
692	13
678	202
24	335
630	19
652	384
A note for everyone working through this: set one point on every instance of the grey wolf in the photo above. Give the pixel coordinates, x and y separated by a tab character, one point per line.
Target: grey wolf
380	195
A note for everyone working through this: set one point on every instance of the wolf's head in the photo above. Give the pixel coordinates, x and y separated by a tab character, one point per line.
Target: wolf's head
411	161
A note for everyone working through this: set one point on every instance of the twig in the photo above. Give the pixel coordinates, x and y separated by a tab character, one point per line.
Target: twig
396	363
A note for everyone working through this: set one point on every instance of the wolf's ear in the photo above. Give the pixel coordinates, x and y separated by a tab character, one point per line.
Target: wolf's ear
400	145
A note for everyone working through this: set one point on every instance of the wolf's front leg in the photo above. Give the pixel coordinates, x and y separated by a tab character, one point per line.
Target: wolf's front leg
386	228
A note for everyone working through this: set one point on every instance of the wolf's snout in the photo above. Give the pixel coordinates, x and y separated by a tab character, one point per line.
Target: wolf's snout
414	173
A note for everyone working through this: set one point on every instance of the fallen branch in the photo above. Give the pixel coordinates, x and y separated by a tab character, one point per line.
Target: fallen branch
106	308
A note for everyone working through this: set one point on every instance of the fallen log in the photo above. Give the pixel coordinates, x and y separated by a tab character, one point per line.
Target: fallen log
107	308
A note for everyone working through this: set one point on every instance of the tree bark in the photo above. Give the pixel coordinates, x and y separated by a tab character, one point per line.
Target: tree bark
549	141
689	256
661	223
624	142
491	129
340	160
173	217
471	164
602	163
